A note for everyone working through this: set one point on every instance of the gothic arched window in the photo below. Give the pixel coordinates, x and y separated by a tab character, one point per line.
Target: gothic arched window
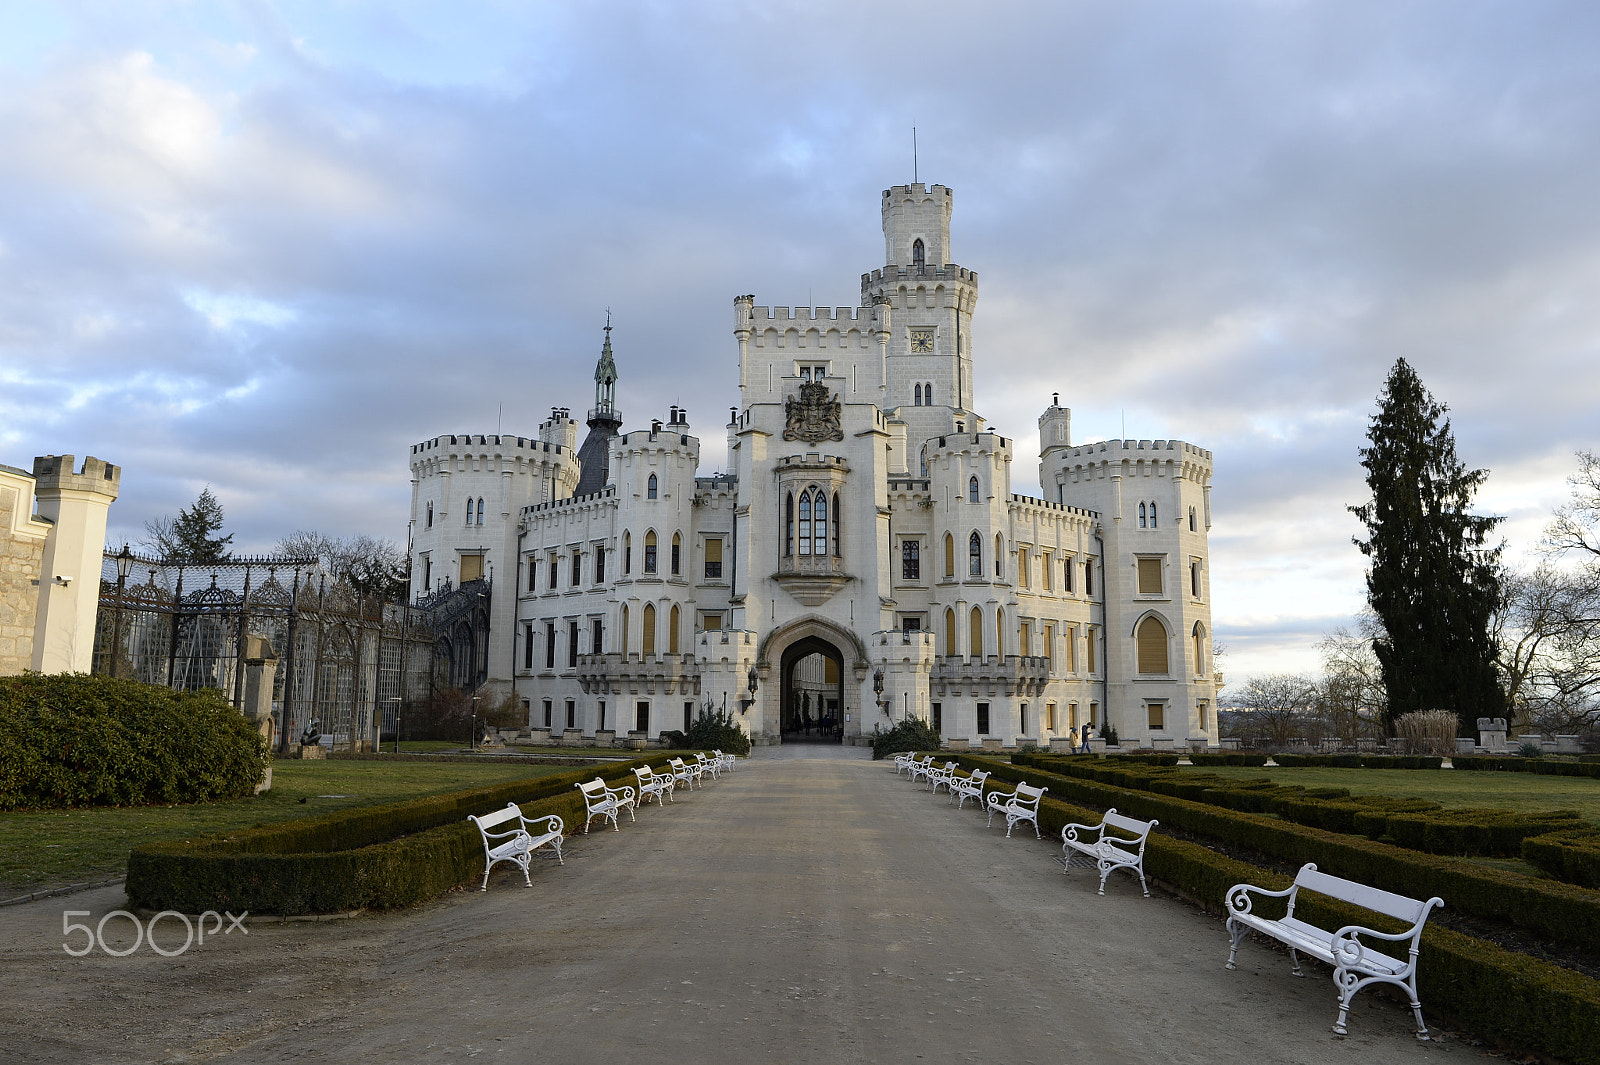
1141	516
950	632
975	556
916	395
650	490
927	394
647	637
805	522
918	255
677	552
650	551
975	632
1152	515
1150	645
972	490
838	519
672	630
949	557
999	555
430	513
820	524
1191	519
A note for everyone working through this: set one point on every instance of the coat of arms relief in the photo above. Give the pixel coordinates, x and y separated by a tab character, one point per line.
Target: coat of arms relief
815	416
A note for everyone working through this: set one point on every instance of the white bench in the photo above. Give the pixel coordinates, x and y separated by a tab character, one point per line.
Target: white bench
519	842
650	783
938	776
1117	842
606	802
728	761
684	773
921	769
1356	963
968	787
905	760
709	764
1020	805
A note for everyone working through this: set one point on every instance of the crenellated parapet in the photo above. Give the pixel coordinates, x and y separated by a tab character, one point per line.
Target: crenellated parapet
1171	458
57	473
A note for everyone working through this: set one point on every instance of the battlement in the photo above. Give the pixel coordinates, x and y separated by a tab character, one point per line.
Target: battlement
658	437
469	443
813	460
947	272
56	473
982	441
1123	448
1045	504
919	190
856	316
609	492
720	482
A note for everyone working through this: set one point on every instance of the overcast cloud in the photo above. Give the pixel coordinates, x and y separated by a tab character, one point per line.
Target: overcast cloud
268	246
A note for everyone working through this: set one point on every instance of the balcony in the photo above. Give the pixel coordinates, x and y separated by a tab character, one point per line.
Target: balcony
811	579
1021	675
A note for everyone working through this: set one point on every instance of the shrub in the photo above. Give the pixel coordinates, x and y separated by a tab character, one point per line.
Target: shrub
370	857
1427	731
912	734
1572	855
716	730
1229	758
76	740
1475	833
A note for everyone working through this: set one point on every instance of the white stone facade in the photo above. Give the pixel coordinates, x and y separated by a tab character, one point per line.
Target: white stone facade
865	514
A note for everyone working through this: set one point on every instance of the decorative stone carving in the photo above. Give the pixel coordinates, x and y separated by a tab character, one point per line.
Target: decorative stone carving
815	416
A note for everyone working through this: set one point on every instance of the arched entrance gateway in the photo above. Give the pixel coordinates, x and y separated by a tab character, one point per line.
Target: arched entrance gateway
811	691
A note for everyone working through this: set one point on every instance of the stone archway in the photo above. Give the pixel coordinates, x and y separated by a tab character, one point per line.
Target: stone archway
789	644
811	692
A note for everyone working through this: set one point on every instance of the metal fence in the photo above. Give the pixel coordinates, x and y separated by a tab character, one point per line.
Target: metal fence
353	663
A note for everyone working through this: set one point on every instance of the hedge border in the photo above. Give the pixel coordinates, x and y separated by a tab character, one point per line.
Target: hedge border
1529	1003
373	857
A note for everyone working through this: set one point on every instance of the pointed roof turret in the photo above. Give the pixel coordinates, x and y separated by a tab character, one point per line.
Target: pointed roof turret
604	422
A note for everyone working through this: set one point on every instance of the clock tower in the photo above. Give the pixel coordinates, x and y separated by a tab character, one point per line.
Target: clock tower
931	302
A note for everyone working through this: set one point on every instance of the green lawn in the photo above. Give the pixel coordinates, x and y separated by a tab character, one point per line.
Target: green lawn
1448	787
47	848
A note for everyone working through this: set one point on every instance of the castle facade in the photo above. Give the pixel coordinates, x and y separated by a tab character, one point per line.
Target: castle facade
861	557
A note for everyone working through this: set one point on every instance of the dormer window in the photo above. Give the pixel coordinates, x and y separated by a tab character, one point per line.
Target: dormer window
918	256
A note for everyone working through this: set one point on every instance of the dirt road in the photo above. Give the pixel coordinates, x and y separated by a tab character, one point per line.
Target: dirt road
808	910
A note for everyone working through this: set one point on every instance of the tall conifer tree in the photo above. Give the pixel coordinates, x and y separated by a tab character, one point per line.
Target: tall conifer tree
1433	582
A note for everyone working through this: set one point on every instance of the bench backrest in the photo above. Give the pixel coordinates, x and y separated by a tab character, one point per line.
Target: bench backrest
593	790
1376	899
974	779
1028	795
1133	826
645	774
497	818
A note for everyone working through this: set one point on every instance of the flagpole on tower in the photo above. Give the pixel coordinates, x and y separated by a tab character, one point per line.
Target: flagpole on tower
913	155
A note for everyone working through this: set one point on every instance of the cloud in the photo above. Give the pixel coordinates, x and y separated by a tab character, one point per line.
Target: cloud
269	247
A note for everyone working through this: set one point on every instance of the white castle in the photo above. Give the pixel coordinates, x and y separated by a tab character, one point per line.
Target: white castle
861	560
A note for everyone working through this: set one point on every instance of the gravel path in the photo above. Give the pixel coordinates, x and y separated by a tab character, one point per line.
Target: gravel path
802	909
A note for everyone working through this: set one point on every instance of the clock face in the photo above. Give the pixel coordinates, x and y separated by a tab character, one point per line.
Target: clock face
922	341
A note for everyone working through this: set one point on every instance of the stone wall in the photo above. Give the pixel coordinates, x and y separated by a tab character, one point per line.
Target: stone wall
22	542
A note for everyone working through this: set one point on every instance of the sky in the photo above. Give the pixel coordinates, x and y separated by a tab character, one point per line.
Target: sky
266	247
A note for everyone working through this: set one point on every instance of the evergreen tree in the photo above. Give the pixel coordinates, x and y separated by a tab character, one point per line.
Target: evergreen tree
1433	582
191	536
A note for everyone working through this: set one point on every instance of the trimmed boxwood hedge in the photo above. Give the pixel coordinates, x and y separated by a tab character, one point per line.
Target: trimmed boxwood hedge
372	857
1560	912
1572	855
1418	824
1584	767
69	739
1525	1001
1228	758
